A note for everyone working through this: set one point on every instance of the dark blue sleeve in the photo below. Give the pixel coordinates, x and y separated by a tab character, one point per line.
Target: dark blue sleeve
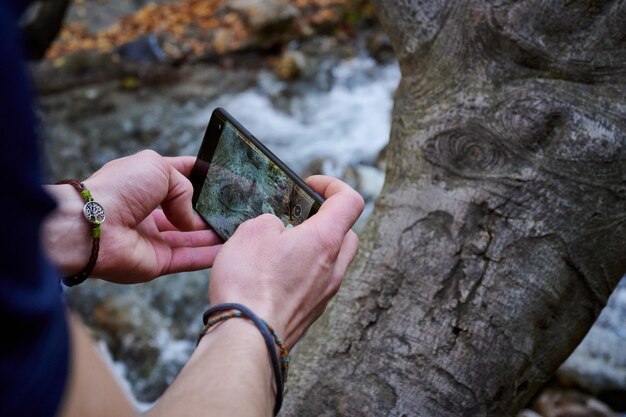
34	339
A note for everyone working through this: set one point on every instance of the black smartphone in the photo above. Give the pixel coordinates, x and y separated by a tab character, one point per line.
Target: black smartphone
236	178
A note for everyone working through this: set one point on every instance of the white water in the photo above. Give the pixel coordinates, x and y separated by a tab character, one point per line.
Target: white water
347	124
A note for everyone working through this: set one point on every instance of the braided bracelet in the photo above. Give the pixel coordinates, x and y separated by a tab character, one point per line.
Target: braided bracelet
229	314
94	213
231	310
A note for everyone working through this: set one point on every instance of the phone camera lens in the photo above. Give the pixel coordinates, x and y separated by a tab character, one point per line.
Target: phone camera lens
297	210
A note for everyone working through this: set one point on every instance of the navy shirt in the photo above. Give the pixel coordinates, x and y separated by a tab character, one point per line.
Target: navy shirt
33	331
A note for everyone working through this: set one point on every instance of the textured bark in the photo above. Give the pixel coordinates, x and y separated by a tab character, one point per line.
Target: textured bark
499	234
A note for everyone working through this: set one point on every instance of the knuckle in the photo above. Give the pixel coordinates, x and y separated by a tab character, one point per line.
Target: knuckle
268	218
262	222
246	226
269	221
181	183
155	159
148	154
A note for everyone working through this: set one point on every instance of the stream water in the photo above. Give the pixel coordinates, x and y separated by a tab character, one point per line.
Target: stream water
347	123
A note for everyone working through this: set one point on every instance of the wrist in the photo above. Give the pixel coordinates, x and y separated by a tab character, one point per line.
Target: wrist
220	313
244	335
245	344
265	309
66	236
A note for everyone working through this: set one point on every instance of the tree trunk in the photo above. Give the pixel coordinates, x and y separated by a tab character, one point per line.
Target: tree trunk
499	234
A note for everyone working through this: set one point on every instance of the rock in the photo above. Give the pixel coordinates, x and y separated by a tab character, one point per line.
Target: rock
367	180
265	16
598	365
145	48
555	402
379	46
528	413
269	24
290	65
320	166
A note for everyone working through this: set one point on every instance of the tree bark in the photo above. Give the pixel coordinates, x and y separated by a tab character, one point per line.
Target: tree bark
499	234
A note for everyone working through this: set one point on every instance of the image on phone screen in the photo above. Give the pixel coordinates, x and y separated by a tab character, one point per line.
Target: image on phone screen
242	181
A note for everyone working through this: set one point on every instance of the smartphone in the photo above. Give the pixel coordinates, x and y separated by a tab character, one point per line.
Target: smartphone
236	178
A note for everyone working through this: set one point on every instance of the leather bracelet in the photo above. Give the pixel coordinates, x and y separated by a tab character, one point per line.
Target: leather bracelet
280	367
94	213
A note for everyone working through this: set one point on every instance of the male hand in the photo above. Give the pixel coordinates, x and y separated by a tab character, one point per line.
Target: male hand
140	240
287	276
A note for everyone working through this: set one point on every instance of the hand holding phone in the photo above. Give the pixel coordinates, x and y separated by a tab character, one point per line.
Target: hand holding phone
285	276
236	178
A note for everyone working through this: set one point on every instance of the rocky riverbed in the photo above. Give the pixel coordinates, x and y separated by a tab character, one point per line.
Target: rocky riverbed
318	94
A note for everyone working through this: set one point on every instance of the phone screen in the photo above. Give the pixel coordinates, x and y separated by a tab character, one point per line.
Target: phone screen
243	181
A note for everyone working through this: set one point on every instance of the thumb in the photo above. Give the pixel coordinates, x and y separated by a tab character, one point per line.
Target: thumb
177	203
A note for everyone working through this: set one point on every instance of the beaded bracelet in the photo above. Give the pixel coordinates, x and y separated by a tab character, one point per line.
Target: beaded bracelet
232	310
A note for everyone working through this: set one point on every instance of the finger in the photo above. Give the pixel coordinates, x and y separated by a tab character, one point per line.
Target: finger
182	164
177	204
198	238
348	251
340	211
192	259
259	225
164	225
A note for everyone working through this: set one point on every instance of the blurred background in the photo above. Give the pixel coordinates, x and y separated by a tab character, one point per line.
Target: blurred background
313	79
